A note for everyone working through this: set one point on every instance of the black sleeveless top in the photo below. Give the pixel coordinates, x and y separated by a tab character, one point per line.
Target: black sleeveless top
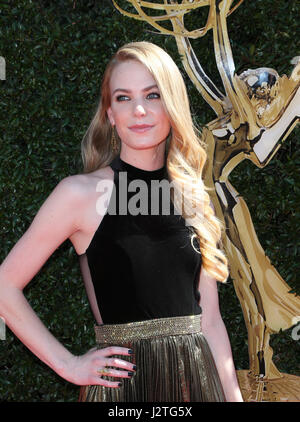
142	264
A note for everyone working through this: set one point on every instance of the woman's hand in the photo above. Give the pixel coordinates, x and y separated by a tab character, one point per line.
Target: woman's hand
86	369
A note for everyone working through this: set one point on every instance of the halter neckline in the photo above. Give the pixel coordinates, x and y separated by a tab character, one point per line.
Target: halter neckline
137	173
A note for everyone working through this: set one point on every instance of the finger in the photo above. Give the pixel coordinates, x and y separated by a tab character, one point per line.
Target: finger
116	350
106	383
120	363
115	373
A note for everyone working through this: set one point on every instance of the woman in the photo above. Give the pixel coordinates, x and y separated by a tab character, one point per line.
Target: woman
142	269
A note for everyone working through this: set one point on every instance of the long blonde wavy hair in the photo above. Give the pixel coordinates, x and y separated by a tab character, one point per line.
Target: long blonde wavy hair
185	151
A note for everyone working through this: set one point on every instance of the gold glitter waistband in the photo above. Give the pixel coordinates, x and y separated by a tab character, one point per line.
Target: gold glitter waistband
113	333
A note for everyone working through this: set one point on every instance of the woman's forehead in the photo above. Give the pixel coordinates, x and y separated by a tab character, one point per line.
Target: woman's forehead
129	75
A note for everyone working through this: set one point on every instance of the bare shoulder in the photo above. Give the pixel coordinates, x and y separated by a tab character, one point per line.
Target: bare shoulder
73	198
68	212
85	191
80	186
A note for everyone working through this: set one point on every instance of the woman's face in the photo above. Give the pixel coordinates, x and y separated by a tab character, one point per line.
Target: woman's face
136	107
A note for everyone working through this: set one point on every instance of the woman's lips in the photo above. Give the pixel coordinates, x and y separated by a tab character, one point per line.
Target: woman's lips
140	128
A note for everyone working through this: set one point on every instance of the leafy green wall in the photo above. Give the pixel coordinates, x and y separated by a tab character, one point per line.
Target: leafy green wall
55	55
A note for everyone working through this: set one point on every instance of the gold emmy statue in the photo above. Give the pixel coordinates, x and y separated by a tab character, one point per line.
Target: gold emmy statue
255	115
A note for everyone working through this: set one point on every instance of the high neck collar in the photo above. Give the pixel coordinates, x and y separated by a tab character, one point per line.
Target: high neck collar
136	173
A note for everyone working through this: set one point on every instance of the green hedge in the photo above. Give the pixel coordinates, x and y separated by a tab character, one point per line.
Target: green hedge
55	55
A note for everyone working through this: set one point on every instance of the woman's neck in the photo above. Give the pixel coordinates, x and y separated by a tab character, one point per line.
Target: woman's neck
146	159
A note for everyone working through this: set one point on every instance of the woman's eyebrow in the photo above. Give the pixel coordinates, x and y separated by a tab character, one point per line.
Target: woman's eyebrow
128	90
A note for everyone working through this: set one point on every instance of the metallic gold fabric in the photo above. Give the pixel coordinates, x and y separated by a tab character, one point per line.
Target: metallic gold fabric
149	328
174	363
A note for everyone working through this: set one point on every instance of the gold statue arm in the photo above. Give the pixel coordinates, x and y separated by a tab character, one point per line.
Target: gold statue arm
193	68
242	111
202	82
171	13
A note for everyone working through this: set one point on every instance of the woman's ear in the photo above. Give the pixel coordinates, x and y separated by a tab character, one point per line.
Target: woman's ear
110	116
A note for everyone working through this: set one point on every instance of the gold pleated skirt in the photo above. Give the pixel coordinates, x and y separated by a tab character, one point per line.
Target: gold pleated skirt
173	359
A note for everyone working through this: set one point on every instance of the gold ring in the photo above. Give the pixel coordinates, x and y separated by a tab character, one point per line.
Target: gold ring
103	371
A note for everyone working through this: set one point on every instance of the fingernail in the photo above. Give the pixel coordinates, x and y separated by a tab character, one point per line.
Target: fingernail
130	373
130	351
134	367
120	384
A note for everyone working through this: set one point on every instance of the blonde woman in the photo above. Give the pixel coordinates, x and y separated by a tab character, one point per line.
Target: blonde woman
150	262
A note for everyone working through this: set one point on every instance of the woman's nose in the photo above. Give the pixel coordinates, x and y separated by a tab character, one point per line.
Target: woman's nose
139	110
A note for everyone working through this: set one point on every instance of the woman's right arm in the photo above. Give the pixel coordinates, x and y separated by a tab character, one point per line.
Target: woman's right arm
56	221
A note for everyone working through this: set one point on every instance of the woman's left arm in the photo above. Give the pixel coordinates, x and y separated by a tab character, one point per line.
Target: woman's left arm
215	332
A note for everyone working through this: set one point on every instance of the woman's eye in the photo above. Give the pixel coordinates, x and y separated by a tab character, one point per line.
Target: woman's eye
121	97
153	95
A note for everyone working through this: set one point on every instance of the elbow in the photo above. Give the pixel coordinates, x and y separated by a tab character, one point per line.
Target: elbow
3	300
8	295
211	324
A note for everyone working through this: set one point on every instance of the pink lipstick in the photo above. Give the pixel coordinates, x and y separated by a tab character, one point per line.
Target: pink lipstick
140	128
